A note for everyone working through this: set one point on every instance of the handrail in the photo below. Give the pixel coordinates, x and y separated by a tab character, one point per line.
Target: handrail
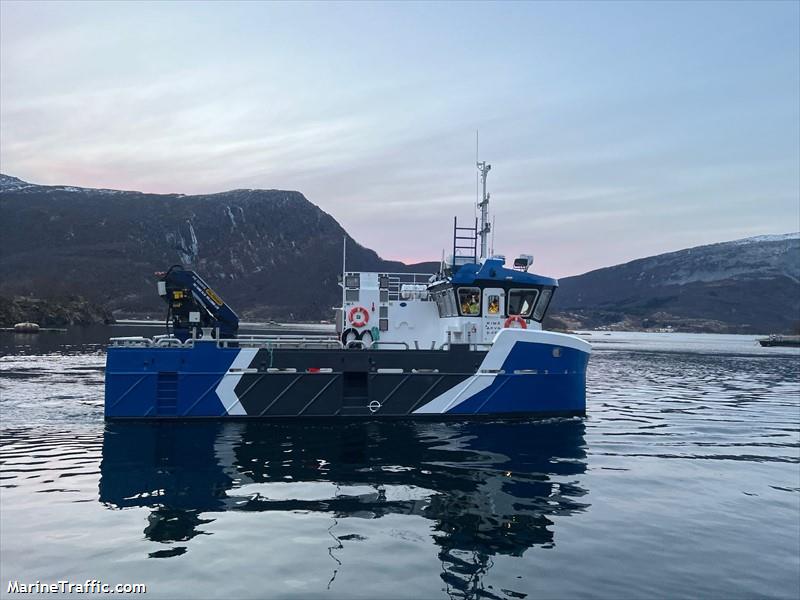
174	343
473	346
275	342
396	281
157	342
131	341
379	343
293	341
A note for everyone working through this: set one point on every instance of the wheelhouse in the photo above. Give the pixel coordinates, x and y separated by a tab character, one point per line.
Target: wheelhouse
467	303
492	290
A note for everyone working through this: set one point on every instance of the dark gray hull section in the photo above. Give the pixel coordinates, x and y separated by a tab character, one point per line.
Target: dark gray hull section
361	382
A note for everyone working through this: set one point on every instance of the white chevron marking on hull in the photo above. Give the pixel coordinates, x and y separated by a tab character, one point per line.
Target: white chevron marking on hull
502	345
226	390
457	394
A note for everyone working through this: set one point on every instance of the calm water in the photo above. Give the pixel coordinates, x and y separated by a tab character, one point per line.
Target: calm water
682	481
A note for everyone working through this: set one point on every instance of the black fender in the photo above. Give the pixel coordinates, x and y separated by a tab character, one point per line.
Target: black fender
350	335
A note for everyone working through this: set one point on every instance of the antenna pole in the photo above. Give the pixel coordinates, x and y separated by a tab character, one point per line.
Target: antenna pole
486	227
477	183
344	269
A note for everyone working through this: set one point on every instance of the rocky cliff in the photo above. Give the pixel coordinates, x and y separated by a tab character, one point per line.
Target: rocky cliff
52	312
269	253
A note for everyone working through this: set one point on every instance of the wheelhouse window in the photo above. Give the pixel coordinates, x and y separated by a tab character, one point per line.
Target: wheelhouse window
469	301
541	307
521	302
493	304
445	302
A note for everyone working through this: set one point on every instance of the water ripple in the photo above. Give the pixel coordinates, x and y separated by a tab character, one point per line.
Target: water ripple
683	456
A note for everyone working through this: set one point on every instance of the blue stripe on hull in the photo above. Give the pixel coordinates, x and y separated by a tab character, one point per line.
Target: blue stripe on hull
558	384
528	394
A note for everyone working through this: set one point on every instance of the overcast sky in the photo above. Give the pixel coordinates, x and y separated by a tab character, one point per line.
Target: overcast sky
615	131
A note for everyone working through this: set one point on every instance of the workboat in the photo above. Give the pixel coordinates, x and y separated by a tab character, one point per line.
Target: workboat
780	340
464	342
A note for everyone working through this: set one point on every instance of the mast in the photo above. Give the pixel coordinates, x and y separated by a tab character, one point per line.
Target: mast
486	227
344	275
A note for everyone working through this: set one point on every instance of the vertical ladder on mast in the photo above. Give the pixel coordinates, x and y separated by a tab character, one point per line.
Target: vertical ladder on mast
465	244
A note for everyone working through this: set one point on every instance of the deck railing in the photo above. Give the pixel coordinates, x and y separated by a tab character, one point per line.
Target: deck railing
274	342
398	280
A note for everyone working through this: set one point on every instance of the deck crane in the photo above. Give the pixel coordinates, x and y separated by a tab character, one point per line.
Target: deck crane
193	306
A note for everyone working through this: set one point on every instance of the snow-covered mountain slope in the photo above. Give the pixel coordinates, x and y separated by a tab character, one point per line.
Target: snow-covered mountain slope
751	284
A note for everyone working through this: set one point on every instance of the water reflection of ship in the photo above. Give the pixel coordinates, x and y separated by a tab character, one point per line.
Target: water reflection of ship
489	488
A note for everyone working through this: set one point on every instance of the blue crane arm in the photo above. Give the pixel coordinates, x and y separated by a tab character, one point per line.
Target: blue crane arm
194	305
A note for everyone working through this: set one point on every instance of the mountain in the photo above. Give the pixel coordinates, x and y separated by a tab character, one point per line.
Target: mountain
274	254
744	286
269	253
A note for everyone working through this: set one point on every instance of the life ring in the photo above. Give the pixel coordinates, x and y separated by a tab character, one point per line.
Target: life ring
515	319
355	319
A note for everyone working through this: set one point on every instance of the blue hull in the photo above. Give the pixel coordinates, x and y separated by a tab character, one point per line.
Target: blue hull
523	376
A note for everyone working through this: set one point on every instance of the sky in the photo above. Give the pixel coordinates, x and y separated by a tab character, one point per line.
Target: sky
614	130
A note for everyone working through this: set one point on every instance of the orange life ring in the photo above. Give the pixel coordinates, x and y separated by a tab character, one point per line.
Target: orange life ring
515	319
355	319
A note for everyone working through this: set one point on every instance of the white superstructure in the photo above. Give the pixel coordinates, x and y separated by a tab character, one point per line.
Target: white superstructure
473	297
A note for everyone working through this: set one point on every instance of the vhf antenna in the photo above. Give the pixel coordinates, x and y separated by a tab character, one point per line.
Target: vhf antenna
477	181
486	227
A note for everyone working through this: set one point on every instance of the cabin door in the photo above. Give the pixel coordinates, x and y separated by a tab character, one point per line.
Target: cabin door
494	310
